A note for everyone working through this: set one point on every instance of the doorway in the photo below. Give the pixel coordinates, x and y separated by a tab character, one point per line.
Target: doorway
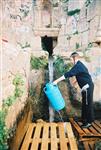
48	44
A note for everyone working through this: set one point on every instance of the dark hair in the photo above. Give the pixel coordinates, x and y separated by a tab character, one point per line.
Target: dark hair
74	54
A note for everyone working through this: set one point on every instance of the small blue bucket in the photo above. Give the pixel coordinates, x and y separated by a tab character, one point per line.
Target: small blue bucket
54	96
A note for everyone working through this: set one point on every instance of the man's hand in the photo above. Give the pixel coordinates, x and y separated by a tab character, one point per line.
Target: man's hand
58	80
54	83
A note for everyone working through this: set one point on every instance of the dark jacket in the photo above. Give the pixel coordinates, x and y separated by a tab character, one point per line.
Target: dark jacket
81	73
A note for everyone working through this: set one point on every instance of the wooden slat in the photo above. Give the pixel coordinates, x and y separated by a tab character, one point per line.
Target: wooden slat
98	123
91	143
63	143
45	137
86	145
27	139
97	128
36	138
77	127
53	136
35	141
71	138
93	130
87	131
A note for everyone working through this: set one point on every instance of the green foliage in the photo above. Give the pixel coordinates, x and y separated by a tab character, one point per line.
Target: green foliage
9	101
61	67
65	1
3	132
37	63
98	145
18	92
73	12
18	80
24	10
88	2
76	32
24	45
77	46
90	45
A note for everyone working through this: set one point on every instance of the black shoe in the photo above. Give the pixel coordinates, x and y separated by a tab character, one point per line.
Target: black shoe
87	125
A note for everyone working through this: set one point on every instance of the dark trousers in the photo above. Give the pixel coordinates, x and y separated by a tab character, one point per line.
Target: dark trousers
87	105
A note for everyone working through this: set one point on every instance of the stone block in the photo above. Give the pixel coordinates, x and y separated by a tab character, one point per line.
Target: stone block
83	13
94	9
82	25
84	38
7	91
93	26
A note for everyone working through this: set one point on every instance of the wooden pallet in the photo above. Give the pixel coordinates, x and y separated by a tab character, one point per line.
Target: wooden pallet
88	136
92	131
49	136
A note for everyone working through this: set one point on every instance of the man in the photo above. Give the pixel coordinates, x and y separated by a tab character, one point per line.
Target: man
84	80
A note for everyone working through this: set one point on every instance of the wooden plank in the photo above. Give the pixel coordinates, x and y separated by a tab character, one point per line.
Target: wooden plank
93	130
91	144
45	137
53	136
88	139
71	138
63	142
97	128
98	123
86	145
77	127
35	141
86	130
27	139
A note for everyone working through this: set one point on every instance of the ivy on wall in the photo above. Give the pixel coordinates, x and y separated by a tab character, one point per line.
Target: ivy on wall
60	66
37	63
18	82
88	2
73	12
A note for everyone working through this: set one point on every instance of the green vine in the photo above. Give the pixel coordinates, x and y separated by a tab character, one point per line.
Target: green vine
77	46
61	67
38	62
24	45
4	132
24	10
88	2
73	12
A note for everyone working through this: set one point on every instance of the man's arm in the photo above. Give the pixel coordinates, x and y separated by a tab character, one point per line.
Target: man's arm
59	79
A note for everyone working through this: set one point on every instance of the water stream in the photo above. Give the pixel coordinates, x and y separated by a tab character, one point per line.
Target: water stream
50	67
51	111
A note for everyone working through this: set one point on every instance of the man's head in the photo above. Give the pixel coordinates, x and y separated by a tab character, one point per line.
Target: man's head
74	57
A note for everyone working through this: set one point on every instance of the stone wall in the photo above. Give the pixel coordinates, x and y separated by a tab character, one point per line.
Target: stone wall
80	28
16	44
77	33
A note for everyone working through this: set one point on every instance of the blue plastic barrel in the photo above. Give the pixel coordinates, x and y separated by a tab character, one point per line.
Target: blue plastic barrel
54	96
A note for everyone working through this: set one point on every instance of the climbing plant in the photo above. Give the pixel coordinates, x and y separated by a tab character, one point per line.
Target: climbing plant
88	2
25	45
73	12
38	62
77	45
3	131
60	66
18	82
